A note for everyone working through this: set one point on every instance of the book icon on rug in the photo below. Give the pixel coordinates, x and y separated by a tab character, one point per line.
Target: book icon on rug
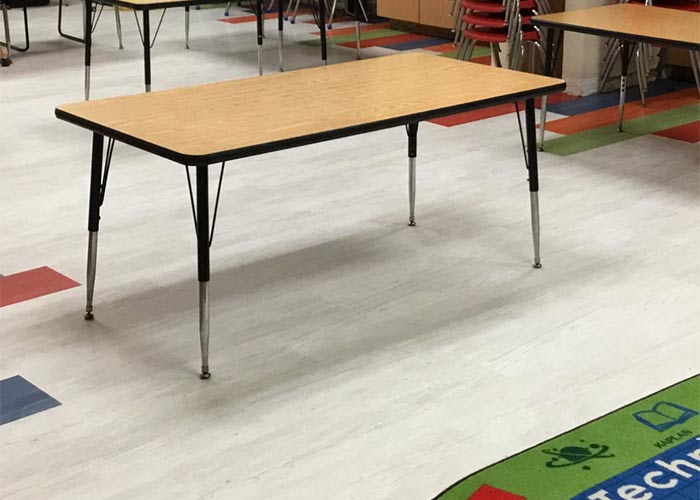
664	415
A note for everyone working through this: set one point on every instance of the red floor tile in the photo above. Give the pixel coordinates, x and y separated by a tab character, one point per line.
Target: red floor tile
31	284
487	492
689	132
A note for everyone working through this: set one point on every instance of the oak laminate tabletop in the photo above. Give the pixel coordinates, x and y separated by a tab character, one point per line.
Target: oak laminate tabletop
233	119
631	21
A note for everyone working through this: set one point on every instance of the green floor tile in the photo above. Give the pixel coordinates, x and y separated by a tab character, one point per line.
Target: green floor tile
478	52
369	35
602	136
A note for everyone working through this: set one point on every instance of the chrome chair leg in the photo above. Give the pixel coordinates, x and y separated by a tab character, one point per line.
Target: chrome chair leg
7	59
695	64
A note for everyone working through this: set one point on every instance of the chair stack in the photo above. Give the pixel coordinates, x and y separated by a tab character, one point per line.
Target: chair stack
496	22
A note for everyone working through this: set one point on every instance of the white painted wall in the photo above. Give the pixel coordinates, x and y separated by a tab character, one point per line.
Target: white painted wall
582	54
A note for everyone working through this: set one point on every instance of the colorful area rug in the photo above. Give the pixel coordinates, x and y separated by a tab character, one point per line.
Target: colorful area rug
648	450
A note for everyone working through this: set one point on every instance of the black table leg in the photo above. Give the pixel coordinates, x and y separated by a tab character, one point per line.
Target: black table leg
187	27
94	218
533	177
147	48
88	45
412	131
324	43
280	29
259	23
356	4
203	269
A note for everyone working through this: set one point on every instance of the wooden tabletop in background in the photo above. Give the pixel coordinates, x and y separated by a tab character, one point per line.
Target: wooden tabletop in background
232	119
659	24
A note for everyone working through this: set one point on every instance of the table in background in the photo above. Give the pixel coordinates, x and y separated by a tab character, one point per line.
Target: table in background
631	24
184	125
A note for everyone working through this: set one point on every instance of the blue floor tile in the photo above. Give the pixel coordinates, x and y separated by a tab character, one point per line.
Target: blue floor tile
599	101
416	44
20	398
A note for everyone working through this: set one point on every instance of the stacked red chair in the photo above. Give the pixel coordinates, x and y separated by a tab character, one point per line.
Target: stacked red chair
496	22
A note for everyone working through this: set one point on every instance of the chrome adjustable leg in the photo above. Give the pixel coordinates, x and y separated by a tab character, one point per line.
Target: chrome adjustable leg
412	130
118	20
535	217
260	59
187	27
87	83
412	191
91	272
625	53
623	93
204	327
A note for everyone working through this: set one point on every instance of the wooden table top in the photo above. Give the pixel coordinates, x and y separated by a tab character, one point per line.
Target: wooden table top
631	21
222	121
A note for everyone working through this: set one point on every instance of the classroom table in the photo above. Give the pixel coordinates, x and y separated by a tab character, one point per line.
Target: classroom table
146	6
631	24
184	125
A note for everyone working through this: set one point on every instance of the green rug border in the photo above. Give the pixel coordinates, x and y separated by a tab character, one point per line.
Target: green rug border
436	497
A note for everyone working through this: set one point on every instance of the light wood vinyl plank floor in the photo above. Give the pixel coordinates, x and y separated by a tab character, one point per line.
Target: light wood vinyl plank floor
353	357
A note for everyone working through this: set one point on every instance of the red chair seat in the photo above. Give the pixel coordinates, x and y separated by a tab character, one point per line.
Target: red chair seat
499	35
483	6
483	21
